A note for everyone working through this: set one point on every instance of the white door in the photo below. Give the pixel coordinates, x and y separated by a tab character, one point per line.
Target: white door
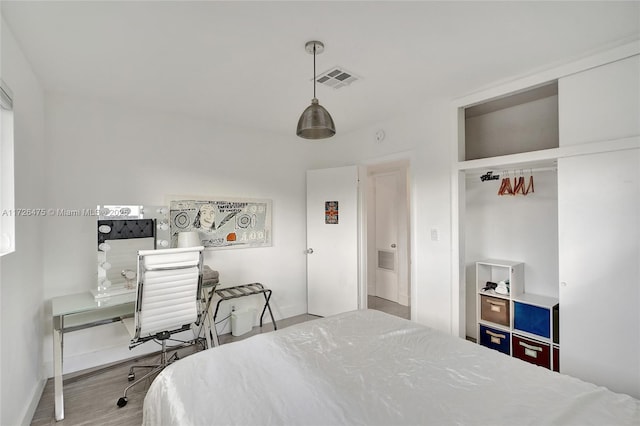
386	226
599	253
332	240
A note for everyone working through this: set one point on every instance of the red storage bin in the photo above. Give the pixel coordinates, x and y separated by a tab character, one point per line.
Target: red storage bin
532	351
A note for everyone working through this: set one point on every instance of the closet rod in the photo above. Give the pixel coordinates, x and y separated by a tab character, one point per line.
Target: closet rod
500	171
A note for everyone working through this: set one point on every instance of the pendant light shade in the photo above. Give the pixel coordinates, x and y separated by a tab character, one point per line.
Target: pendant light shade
315	121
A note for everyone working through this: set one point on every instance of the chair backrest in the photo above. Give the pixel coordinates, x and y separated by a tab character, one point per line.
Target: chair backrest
168	293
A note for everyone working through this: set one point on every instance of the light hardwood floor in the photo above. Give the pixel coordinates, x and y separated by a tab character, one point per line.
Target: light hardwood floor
90	397
384	305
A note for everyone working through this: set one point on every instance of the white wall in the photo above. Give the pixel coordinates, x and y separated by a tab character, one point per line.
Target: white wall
513	130
107	153
148	155
424	139
21	295
432	210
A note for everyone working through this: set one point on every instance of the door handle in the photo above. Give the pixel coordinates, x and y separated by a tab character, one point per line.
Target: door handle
393	245
309	251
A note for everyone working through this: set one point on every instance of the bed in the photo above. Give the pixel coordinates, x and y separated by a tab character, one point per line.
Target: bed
369	368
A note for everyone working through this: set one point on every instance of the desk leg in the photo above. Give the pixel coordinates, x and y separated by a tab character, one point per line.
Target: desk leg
207	334
214	334
205	323
211	333
57	366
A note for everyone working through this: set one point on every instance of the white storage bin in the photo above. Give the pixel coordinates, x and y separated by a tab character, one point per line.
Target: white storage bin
242	321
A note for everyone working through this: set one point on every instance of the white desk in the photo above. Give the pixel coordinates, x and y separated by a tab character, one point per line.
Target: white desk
76	312
79	311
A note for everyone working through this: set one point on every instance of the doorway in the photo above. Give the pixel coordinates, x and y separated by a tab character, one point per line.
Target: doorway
388	230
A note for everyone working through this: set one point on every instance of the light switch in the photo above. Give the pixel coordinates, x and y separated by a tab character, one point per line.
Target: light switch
435	236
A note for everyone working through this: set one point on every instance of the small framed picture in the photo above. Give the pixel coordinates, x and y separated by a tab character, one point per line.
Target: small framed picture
331	212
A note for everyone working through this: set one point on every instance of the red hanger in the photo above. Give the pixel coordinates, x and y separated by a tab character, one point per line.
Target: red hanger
530	187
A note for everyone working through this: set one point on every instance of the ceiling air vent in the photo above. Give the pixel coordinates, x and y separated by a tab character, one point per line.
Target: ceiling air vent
337	77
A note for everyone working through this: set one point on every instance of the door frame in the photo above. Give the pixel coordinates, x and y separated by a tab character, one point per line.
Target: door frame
398	162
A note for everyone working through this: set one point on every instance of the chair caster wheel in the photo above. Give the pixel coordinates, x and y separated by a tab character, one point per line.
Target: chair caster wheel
131	377
122	402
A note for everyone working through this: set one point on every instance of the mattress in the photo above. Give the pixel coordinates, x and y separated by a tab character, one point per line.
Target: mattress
369	368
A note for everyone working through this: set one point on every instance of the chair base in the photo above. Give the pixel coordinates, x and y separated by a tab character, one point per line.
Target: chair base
155	369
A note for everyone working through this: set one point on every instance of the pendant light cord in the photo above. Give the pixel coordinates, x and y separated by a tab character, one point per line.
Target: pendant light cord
314	70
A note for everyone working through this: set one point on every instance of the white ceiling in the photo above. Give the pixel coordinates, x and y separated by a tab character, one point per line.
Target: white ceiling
244	63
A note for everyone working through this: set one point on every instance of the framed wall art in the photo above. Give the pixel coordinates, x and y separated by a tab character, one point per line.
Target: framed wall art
331	212
222	222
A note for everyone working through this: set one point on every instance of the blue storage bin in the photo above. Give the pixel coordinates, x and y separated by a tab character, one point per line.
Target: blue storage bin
495	339
532	319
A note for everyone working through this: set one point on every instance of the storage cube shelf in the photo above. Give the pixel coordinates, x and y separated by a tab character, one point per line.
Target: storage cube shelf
492	270
519	324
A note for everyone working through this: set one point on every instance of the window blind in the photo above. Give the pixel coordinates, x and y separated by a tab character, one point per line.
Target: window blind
6	97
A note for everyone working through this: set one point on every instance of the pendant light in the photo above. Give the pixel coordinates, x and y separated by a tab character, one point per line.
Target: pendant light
315	121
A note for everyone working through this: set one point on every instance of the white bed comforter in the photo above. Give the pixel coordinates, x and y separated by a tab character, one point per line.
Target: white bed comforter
369	368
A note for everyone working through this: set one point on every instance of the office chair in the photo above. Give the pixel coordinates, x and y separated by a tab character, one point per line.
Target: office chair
168	301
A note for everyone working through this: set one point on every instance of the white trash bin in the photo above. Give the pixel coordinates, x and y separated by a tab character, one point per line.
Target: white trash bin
242	321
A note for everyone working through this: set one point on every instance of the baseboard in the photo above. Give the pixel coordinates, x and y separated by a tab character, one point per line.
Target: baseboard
403	299
83	374
33	404
80	362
